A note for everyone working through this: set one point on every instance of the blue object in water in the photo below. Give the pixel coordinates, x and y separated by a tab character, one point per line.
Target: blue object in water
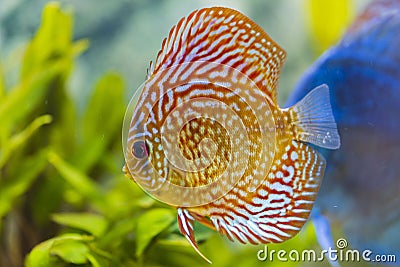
361	187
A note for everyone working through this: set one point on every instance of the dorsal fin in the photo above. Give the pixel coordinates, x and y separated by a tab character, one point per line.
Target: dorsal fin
223	35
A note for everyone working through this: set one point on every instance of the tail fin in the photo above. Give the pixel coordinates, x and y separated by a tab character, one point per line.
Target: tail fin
314	120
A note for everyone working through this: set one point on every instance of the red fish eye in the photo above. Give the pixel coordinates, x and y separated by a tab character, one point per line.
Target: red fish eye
139	149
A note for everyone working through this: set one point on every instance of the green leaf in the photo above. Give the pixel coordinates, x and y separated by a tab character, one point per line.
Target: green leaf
47	62
151	224
19	139
56	43
117	233
175	241
21	181
52	17
92	223
106	100
125	197
2	84
26	96
95	260
48	58
78	180
41	254
101	258
47	197
71	251
62	135
103	119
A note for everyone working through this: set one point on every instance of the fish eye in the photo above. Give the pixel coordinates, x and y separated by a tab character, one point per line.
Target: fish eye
140	150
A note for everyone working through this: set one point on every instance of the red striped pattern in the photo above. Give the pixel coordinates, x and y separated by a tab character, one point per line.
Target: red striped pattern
279	207
223	35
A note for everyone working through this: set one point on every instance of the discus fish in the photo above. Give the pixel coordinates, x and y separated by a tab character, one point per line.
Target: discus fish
205	133
362	183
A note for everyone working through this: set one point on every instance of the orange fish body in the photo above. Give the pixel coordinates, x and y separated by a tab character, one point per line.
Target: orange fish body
206	135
